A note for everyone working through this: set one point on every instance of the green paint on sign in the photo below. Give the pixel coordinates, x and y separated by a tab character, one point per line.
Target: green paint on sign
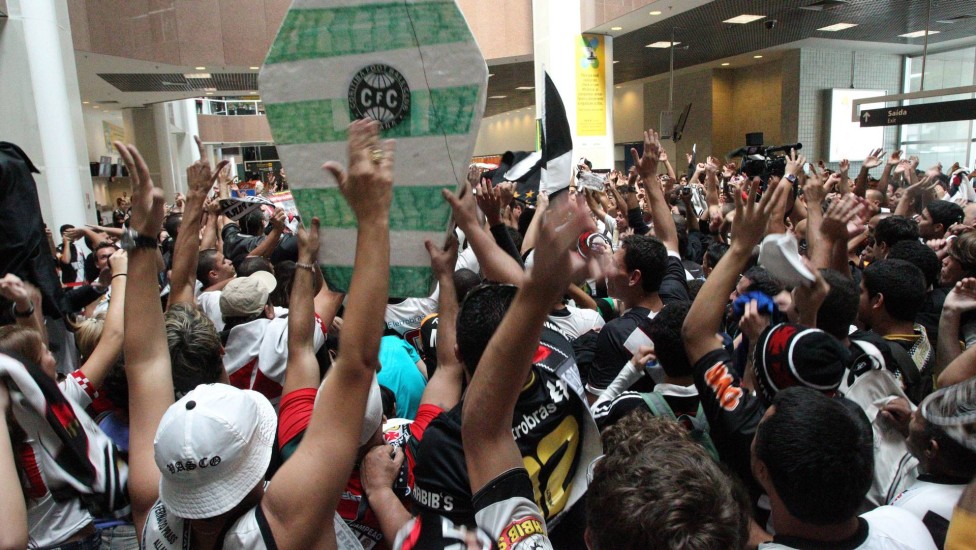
404	281
413	208
449	111
353	30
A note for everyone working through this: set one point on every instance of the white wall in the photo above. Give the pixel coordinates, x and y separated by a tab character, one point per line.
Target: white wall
511	131
94	134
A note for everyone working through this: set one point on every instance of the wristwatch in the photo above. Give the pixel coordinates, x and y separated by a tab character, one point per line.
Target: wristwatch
791	178
131	239
22	314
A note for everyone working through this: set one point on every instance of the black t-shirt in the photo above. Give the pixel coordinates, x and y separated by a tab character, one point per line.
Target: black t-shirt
733	412
238	245
427	345
630	330
931	310
548	429
609	413
68	272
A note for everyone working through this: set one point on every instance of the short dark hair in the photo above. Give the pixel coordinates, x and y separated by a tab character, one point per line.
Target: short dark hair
894	229
715	251
760	279
675	494
172	224
839	309
253	264
64	228
694	287
665	331
901	283
206	262
478	317
252	223
956	459
921	256
946	213
650	256
819	452
464	281
284	273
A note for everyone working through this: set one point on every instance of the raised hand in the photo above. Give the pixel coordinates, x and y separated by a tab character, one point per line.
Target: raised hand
814	192
464	206
873	159
16	290
119	262
647	163
794	163
308	243
490	202
148	205
962	298
751	216
844	166
200	178
663	157
895	158
753	323
474	176
555	265
368	186
443	260
278	219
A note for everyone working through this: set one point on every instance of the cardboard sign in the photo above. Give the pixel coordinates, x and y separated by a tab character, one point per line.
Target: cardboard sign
236	208
414	67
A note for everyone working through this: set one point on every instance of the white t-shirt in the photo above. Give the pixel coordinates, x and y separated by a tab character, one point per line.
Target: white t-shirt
209	303
166	531
574	322
404	318
256	354
932	503
888	528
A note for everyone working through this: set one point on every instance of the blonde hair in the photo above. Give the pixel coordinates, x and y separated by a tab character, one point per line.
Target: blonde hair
87	335
22	341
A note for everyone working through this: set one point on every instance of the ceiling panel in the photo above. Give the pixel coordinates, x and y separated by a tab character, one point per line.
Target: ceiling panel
704	37
177	82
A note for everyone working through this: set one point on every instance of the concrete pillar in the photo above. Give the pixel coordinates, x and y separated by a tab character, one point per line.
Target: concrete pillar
559	49
41	107
164	135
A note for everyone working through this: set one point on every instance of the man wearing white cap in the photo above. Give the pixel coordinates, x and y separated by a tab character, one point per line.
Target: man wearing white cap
201	461
255	340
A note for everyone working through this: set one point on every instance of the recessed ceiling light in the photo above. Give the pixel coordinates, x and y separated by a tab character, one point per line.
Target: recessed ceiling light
497	96
615	61
86	102
655	12
661	44
838	27
200	68
725	64
209	93
254	68
917	34
491	75
757	57
744	18
96	107
199	76
525	88
916	75
616	28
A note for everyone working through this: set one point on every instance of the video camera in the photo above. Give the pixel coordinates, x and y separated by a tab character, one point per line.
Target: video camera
762	161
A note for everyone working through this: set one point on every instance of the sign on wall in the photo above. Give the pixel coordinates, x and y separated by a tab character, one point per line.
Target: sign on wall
848	140
591	86
112	133
925	113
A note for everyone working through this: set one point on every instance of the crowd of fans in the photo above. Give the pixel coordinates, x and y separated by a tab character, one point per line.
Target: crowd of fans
719	359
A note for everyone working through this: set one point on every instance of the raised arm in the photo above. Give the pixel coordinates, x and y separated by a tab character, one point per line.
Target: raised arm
705	317
106	353
960	300
186	251
12	505
893	161
301	500
844	168
496	264
444	388
664	228
270	242
663	157
486	425
147	362
873	160
27	303
532	233
302	370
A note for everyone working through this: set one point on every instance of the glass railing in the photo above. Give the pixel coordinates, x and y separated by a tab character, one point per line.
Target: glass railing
230	107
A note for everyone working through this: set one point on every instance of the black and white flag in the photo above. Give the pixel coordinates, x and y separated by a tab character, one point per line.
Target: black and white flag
557	142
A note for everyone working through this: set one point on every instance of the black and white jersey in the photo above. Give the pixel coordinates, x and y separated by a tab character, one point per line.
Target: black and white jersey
932	499
505	510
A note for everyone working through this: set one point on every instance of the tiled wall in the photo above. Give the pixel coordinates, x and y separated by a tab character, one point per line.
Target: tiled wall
821	70
694	88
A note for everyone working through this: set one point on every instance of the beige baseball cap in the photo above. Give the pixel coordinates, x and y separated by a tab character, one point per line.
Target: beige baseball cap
246	296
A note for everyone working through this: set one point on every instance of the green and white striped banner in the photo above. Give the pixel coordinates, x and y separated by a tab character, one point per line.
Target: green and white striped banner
411	64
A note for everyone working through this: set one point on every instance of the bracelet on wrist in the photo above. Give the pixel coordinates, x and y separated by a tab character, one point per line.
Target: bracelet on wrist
22	314
309	266
119	275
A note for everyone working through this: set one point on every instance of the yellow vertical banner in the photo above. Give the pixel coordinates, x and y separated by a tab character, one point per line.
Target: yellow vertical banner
591	86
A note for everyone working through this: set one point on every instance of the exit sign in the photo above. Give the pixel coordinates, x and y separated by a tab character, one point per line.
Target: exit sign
946	111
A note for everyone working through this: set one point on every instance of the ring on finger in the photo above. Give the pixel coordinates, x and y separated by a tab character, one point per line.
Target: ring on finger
376	154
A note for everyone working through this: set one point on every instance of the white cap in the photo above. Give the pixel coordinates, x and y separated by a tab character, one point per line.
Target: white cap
213	447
